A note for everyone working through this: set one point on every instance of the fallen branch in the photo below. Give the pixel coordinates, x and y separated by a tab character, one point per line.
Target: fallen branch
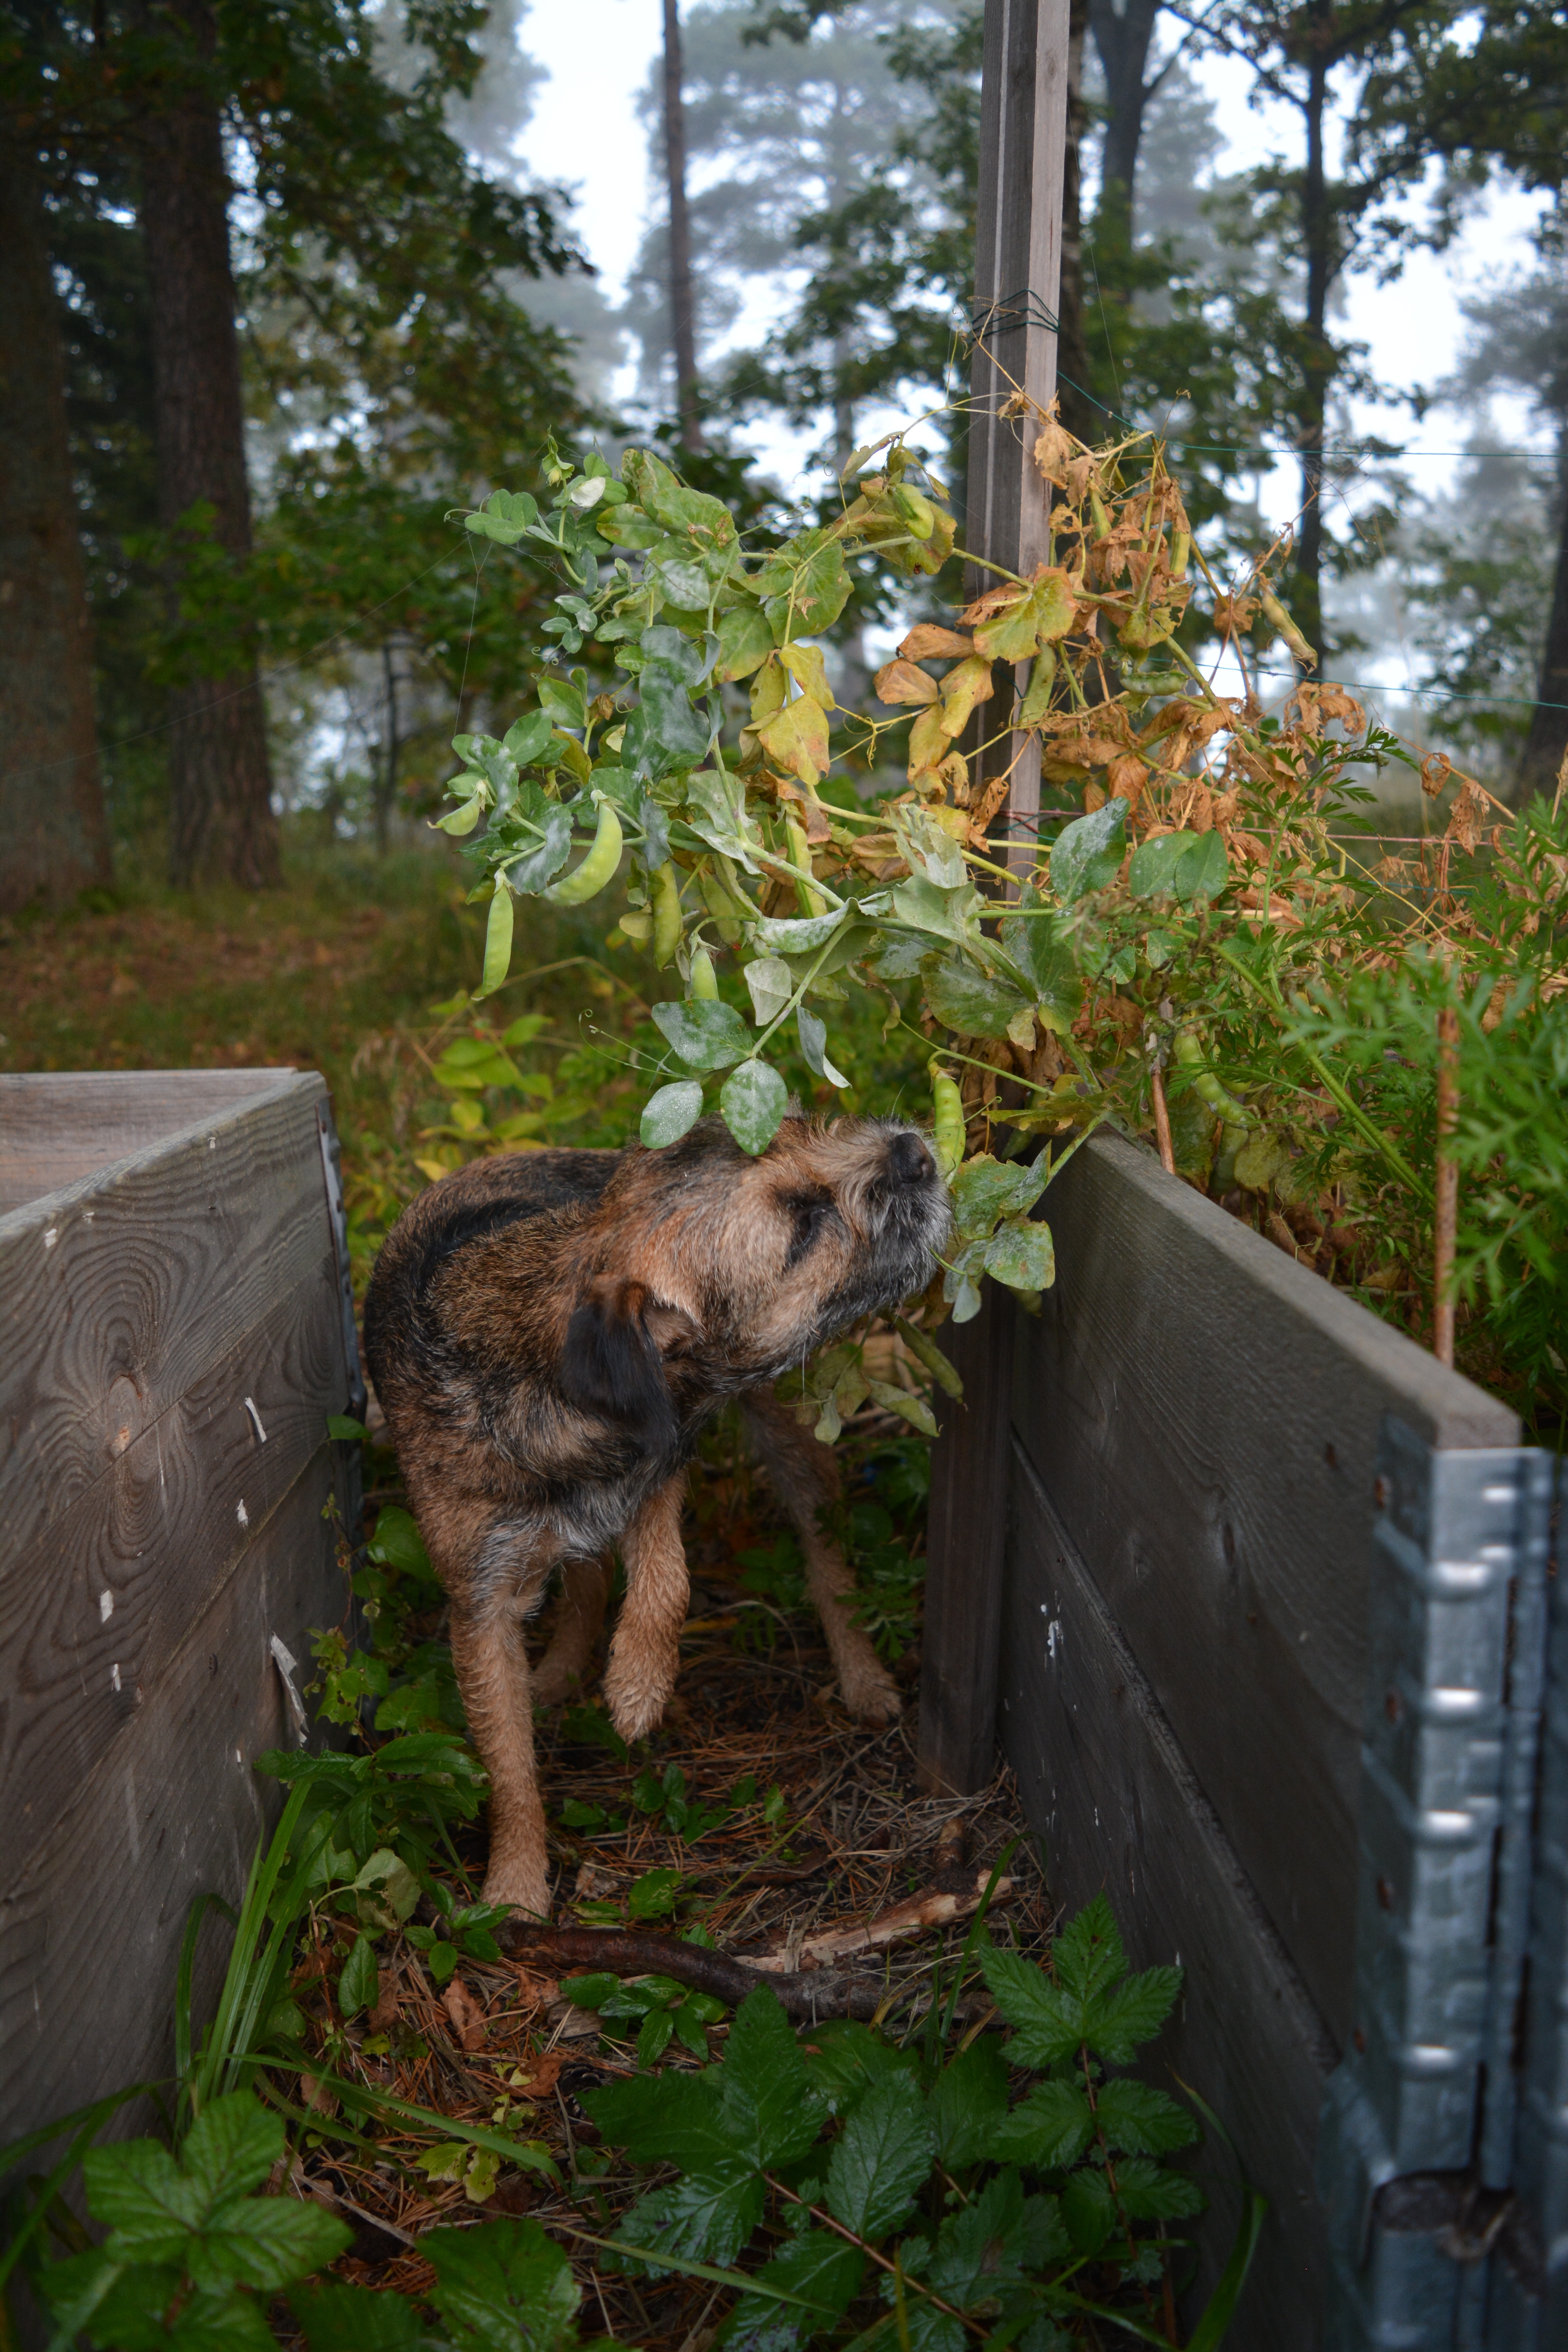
938	1908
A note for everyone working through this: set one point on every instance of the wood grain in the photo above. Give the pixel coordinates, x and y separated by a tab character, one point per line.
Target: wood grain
91	1614
89	1933
58	1127
1203	1414
956	1737
119	1292
1104	1783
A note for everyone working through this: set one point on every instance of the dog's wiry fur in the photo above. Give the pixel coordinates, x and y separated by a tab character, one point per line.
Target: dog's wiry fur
547	1333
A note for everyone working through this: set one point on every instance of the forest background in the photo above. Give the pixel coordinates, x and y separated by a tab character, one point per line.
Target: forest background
282	291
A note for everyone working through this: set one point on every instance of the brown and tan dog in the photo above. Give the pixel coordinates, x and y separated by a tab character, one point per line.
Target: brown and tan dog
547	1333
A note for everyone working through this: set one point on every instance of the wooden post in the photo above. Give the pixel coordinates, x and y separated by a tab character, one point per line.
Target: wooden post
1023	144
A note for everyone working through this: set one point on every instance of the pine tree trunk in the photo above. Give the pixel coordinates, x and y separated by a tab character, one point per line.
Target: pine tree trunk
682	307
1123	37
221	823
54	840
1546	745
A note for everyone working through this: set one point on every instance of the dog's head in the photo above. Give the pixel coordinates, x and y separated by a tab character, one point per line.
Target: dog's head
714	1269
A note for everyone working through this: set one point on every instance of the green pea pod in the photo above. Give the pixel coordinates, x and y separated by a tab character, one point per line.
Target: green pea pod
599	866
948	1132
1205	1084
664	892
498	940
704	987
811	901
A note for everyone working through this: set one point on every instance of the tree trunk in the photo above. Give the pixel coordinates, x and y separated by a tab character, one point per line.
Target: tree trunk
682	317
54	840
1317	356
221	822
1121	36
1078	412
1546	745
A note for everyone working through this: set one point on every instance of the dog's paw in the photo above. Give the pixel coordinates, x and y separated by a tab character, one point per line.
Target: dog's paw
871	1696
522	1887
637	1701
551	1685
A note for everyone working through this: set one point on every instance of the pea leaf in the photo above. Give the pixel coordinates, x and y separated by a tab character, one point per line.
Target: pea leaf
1154	865
1204	869
985	1189
1031	942
881	2160
772	985
814	1047
1087	854
669	1113
803	587
754	1100
1023	1256
707	1034
968	1001
745	641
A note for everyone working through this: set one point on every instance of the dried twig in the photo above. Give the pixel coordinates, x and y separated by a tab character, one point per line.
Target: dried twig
937	1908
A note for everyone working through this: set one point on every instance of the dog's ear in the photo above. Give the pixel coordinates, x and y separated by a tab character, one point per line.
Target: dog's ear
610	1364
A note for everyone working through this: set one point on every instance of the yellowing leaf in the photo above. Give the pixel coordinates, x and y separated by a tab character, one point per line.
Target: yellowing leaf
797	736
929	740
768	690
900	681
962	689
805	666
927	640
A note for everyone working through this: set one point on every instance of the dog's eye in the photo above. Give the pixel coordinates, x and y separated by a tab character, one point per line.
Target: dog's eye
812	1215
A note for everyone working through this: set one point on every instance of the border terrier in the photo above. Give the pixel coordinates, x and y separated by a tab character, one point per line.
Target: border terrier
549	1331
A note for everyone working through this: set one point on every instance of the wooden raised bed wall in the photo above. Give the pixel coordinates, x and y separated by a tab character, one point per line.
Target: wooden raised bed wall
1252	1592
175	1328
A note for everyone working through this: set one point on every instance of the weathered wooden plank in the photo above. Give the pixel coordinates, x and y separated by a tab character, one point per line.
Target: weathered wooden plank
1204	1413
90	1615
59	1126
117	1294
1104	1782
90	1934
965	1527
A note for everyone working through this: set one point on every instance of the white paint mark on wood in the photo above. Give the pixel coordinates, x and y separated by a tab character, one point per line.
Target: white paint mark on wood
105	1606
241	1514
1054	1636
51	1236
255	1419
114	1676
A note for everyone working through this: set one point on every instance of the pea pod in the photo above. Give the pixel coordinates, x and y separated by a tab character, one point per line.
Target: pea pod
1286	626
704	987
1181	551
664	892
1205	1084
599	865
948	1125
920	1343
811	901
498	940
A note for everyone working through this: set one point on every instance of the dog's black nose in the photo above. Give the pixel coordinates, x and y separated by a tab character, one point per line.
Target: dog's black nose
908	1160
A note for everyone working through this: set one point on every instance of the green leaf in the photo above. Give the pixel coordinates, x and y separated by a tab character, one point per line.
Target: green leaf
398	1543
1150	2192
1088	2211
753	1101
967	2103
1117	2023
772	984
1089	1955
504	2286
341	1426
985	1189
1141	2120
337	2316
1048	2129
745	641
1152	869
1023	1256
707	1034
528	738
817	2266
798	935
882	2159
664	732
654	2038
1088	852
803	587
653	1895
562	703
1203	870
844	2061
968	1001
1032	943
359	1987
706	2217
995	2241
769	2112
1045	2023
264	2242
668	1114
670	2119
814	1047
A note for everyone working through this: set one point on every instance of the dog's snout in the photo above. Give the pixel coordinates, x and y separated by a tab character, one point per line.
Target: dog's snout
908	1160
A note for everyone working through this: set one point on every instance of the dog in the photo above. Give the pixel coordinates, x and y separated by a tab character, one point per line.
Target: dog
549	1331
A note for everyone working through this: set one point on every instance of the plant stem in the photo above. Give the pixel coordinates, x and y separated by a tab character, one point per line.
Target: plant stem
1162	1119
1447	1204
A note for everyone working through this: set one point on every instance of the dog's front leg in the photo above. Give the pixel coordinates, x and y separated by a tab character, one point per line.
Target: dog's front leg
646	1652
804	1475
492	1677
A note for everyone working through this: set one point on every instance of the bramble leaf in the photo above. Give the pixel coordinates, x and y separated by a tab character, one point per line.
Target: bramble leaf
502	2287
1140	2119
768	2107
821	2269
882	2159
968	2103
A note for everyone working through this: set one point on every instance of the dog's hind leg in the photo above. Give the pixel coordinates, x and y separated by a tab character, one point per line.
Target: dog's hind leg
646	1652
578	1618
804	1476
491	1662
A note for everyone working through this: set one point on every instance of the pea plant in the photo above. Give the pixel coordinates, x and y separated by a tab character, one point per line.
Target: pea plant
1205	944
